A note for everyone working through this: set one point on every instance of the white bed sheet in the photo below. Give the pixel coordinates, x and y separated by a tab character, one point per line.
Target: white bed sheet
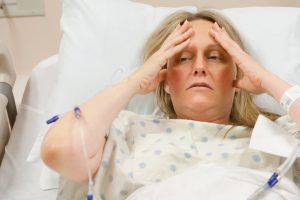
216	182
19	179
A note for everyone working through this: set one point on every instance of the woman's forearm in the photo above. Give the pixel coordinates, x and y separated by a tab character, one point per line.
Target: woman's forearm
276	87
62	148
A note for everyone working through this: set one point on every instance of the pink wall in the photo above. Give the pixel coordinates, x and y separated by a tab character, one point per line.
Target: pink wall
32	39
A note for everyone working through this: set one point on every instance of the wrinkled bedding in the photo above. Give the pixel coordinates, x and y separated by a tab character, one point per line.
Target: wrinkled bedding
216	182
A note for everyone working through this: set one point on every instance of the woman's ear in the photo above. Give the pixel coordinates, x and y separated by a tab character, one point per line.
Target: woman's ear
166	86
236	90
234	84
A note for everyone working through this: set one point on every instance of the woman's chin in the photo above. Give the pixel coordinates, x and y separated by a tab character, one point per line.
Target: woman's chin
196	103
201	100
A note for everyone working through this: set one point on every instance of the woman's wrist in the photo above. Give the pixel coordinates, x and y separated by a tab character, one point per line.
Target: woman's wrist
132	82
273	85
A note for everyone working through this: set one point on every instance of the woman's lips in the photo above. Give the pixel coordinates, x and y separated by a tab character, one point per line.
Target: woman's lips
200	85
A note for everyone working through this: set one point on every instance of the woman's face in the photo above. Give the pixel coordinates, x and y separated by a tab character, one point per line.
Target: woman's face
200	78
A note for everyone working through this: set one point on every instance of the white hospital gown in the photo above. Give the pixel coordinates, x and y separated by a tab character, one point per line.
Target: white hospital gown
146	149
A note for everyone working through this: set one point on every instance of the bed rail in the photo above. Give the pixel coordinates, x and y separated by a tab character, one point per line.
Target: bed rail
8	111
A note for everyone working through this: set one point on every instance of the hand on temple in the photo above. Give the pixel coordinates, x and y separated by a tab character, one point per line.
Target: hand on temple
256	79
152	72
253	72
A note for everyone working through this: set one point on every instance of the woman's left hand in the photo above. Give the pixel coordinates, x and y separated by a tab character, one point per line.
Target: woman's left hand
253	72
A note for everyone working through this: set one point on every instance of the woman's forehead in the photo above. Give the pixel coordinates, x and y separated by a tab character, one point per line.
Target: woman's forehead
201	34
201	26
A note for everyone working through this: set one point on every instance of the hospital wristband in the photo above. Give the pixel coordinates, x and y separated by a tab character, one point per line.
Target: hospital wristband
289	97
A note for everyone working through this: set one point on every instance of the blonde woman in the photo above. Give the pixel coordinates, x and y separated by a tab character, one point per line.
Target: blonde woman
203	79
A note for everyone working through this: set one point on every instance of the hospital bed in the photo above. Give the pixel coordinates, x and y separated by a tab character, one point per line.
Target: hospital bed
22	174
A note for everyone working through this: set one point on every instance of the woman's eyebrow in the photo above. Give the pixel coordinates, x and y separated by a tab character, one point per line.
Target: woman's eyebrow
187	49
209	47
215	46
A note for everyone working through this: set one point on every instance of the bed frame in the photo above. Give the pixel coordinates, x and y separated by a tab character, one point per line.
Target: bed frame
8	109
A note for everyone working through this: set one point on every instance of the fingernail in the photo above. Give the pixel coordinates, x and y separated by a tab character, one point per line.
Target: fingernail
186	21
217	24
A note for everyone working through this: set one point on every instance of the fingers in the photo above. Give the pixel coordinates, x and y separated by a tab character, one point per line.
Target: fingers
253	86
222	37
177	41
183	28
173	51
180	38
180	34
180	29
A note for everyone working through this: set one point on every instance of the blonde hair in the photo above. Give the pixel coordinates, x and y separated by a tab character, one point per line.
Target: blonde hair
243	111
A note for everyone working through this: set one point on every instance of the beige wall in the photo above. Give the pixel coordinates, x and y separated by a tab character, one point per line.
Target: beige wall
222	3
32	39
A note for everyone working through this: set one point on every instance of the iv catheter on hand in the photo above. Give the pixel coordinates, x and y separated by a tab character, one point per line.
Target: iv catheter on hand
277	175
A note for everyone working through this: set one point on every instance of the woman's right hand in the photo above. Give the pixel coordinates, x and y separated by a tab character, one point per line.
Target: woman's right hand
150	74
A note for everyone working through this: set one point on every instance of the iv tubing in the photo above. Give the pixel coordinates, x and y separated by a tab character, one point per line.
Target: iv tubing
277	175
78	116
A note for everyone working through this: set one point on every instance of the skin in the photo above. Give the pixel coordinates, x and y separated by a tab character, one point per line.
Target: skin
202	61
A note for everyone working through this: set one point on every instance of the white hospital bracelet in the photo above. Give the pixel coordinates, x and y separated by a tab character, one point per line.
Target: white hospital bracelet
289	97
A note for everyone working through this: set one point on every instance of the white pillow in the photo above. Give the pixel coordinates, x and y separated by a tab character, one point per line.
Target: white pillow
97	45
100	39
272	36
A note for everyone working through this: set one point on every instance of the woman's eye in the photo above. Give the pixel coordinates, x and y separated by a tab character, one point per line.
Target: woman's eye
184	59
214	58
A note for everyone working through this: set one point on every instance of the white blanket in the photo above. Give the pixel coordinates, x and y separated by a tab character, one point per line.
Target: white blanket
216	182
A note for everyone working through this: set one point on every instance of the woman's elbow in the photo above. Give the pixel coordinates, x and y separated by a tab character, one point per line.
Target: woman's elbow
65	161
49	154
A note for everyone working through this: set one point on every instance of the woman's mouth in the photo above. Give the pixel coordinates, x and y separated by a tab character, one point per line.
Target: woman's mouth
200	85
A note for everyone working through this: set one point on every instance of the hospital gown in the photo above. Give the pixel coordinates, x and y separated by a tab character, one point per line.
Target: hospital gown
144	149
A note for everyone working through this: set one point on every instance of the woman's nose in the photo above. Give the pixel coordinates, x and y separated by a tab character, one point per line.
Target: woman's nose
199	68
199	71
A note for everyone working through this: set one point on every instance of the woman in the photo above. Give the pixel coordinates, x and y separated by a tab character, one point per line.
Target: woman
203	79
